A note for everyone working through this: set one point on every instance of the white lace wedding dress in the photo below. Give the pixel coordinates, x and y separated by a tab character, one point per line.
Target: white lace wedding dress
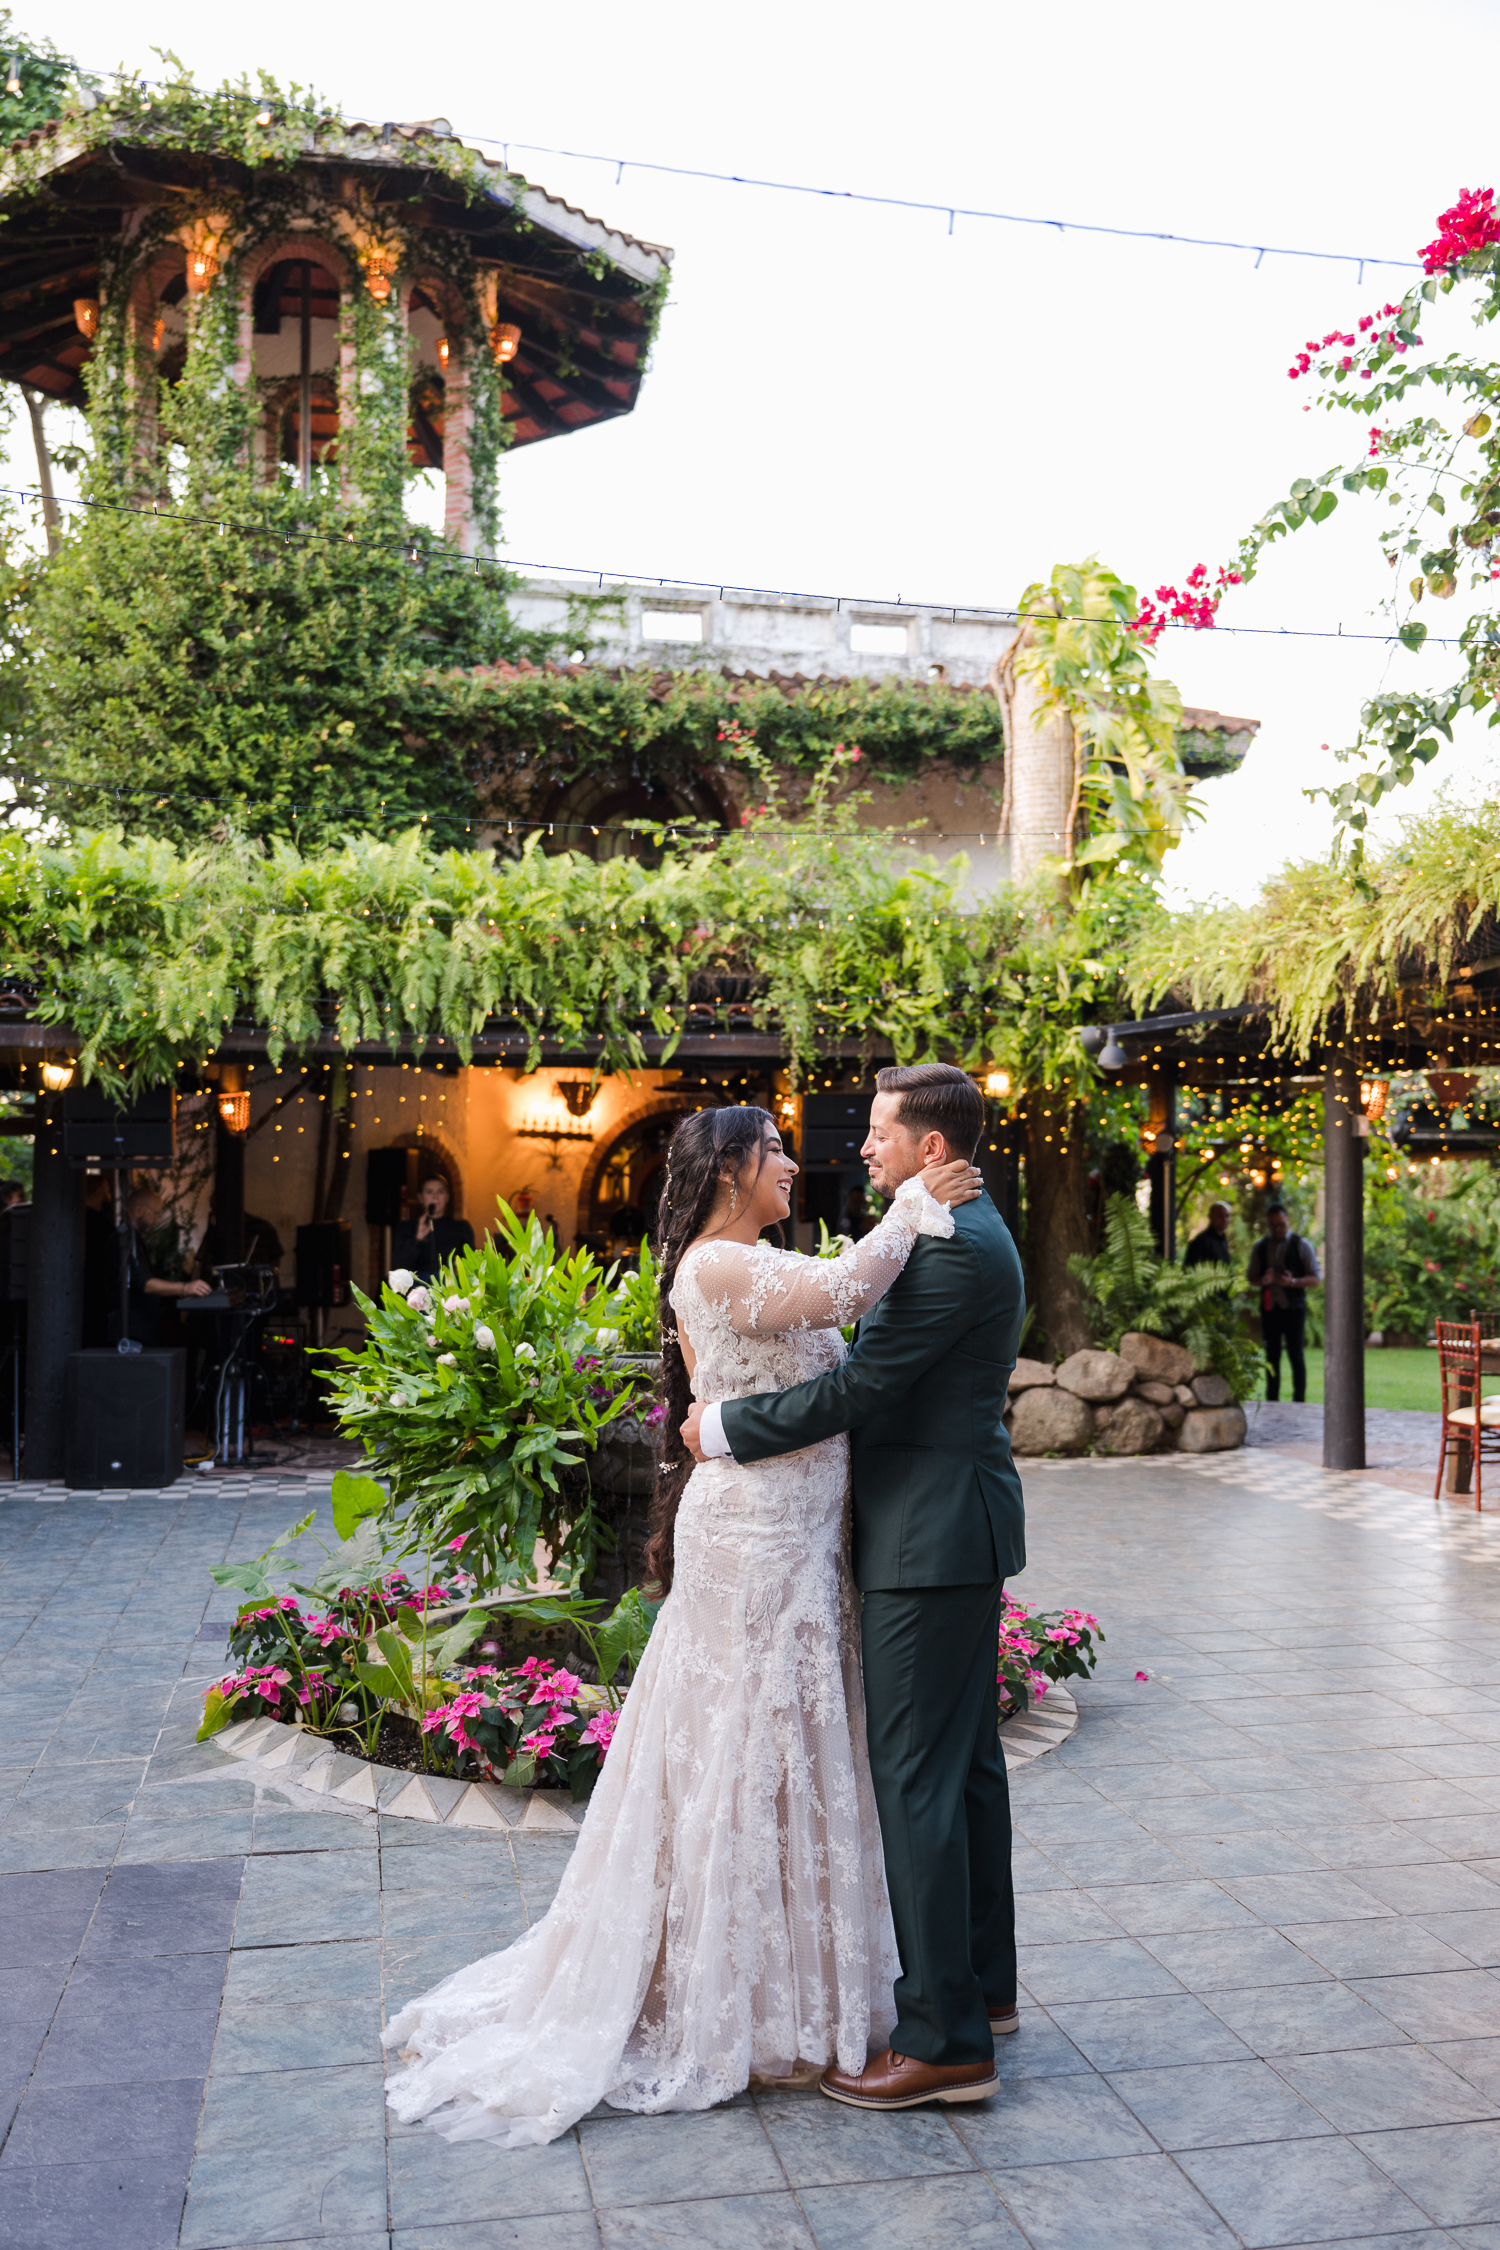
724	1910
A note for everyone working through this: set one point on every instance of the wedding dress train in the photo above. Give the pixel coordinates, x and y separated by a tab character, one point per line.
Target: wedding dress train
724	1910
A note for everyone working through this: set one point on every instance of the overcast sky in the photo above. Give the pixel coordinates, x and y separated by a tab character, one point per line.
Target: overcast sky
853	400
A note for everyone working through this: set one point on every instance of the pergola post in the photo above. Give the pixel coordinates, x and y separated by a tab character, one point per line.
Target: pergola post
1344	1275
54	1293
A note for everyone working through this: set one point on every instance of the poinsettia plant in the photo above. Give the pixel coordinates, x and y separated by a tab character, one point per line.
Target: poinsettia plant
1039	1647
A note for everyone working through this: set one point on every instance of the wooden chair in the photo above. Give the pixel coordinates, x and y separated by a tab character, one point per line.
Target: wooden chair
1469	1421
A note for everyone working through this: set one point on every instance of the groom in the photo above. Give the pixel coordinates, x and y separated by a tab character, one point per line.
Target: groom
938	1526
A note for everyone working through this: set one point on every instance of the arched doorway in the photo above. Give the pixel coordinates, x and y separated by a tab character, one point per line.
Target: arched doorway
629	1173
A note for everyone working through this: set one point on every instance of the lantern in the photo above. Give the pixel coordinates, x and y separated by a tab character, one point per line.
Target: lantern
505	340
57	1073
443	349
86	314
997	1085
234	1109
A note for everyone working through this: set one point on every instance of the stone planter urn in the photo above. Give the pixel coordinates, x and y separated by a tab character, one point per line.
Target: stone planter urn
625	1460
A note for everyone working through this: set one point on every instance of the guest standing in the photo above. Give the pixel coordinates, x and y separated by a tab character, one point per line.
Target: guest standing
1283	1267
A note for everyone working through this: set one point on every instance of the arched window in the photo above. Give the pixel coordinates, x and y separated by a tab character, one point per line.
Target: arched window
594	815
296	343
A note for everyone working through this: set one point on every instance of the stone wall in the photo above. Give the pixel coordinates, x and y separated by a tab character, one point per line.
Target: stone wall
1147	1397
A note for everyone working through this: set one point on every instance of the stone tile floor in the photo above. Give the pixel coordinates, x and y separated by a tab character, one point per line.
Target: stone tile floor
1259	1913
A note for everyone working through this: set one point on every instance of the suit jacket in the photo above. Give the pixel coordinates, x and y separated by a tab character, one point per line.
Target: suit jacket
937	1501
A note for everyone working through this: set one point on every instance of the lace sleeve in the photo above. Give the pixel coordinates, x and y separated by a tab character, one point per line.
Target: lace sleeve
763	1291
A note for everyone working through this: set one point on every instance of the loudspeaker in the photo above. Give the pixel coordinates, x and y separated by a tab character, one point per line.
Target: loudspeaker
323	1264
385	1185
834	1129
96	1131
125	1415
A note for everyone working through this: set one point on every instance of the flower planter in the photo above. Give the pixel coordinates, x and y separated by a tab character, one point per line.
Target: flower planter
625	1461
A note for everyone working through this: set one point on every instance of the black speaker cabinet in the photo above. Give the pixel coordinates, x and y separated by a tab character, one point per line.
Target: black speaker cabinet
323	1263
125	1419
96	1131
834	1130
385	1185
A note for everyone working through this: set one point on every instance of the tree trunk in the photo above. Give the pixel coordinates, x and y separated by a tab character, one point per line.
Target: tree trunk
1057	1227
36	406
1041	769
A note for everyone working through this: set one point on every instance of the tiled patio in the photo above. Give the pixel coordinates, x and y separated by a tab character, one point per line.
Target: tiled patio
1260	1919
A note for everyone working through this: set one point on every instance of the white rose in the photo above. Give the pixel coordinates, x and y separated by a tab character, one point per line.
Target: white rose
430	1340
400	1280
484	1338
525	1351
455	1304
419	1300
446	1359
607	1339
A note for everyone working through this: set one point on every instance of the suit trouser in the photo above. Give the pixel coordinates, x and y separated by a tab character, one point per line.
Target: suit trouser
1285	1325
930	1658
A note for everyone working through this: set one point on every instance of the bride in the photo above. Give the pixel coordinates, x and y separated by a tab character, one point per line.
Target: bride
723	1920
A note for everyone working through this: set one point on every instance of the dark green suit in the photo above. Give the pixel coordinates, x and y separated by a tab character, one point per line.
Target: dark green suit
939	1523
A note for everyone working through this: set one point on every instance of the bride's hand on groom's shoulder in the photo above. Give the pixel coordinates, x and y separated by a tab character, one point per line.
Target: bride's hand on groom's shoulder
953	1182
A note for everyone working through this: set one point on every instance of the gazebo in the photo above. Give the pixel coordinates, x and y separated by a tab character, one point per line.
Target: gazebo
374	293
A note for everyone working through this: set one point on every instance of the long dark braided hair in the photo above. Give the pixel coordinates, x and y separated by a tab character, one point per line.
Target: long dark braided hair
704	1148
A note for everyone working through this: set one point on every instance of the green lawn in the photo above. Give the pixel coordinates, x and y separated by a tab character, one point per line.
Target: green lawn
1392	1378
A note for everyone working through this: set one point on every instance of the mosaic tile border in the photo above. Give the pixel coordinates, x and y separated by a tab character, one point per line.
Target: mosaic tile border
306	1761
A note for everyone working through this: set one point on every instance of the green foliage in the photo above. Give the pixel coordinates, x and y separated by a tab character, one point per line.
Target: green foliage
45	75
183	680
1081	651
1328	942
150	955
477	1399
1429	1255
633	1313
1437	470
1130	1286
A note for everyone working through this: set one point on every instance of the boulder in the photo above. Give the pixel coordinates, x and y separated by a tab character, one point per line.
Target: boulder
1049	1420
1103	1416
1211	1429
1030	1375
1183	1395
1172	1415
1212	1390
1135	1426
1155	1357
1095	1375
1160	1394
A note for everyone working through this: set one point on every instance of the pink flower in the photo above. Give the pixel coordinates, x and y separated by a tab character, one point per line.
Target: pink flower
1143	1675
601	1729
540	1745
455	1546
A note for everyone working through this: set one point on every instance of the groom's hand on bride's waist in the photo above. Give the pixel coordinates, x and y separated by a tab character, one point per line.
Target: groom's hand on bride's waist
703	1434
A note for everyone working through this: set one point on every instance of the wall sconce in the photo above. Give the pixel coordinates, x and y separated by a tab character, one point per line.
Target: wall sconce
578	1095
1374	1093
158	332
58	1072
997	1084
86	315
234	1110
505	341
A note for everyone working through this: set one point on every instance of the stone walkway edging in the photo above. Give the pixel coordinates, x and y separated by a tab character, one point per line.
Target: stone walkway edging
309	1762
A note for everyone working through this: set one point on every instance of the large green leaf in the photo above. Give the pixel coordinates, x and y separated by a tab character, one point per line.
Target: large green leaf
622	1636
354	1498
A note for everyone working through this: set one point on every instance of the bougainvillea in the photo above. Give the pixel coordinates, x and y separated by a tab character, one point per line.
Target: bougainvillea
1468	225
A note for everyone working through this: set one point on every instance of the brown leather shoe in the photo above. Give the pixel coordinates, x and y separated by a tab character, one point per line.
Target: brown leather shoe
895	2081
1005	2019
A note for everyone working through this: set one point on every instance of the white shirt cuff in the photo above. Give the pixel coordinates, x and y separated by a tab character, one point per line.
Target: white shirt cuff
711	1433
